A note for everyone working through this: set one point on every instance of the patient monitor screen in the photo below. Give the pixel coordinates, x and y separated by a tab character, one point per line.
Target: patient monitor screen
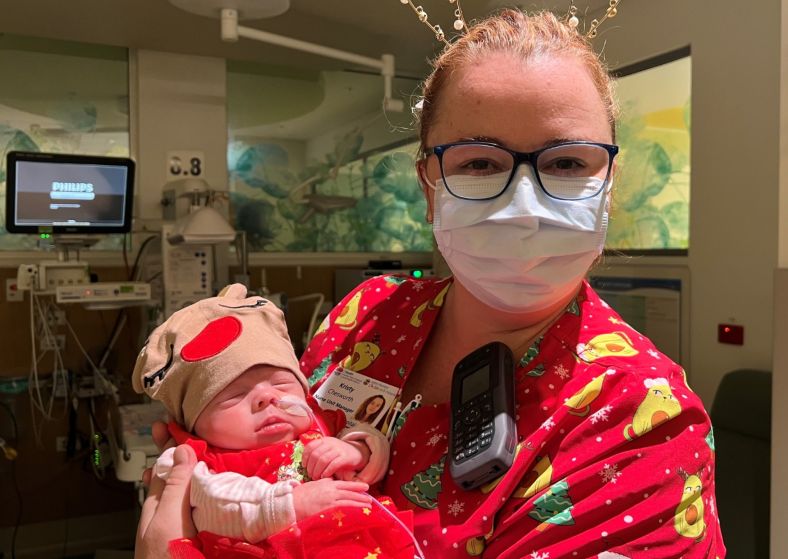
71	196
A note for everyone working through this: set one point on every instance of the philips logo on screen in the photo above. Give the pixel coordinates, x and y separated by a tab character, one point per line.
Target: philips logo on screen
72	191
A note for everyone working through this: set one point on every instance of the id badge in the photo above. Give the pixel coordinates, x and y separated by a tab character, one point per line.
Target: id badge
362	399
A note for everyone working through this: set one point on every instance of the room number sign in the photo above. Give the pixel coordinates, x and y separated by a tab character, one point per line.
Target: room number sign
182	164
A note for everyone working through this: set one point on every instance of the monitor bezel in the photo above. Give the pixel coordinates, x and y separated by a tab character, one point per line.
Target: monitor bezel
56	158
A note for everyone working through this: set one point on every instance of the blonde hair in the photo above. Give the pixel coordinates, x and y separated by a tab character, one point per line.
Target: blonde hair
515	32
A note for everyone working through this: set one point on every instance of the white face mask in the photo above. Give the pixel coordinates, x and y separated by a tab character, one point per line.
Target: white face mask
522	251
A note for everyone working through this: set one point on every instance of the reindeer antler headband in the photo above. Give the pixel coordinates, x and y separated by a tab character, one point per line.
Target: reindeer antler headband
459	19
460	26
573	22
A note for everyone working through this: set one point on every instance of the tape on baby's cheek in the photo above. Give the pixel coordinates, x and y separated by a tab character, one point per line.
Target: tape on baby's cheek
296	408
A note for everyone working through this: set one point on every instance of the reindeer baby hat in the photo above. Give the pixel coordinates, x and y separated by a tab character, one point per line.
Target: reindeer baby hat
202	348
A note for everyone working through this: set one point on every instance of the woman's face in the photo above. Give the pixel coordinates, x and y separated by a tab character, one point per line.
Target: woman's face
524	106
374	406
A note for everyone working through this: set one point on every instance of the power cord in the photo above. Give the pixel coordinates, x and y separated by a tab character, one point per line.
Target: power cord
40	327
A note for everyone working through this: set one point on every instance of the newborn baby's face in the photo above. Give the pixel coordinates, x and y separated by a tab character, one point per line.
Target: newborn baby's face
242	416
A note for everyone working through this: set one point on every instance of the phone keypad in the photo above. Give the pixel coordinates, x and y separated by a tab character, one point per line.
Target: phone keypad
473	427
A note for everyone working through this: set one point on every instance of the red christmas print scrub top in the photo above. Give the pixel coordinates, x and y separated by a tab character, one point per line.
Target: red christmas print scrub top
615	457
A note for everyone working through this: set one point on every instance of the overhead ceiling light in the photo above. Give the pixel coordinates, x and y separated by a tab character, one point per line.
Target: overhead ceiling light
247	9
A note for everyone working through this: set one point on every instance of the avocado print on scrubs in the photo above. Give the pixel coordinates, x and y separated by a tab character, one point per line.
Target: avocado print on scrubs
657	407
688	519
613	344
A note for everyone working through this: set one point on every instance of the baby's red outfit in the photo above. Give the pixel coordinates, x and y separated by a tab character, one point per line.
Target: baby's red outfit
339	532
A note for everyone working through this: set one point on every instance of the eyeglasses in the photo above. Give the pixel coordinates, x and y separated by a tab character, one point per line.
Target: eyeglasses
483	170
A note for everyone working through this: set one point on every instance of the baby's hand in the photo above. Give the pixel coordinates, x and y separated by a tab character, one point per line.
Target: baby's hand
314	496
327	456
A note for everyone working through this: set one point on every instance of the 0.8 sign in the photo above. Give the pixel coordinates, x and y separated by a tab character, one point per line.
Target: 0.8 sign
182	164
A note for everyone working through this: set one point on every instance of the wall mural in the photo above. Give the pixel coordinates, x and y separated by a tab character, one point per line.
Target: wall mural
346	202
651	192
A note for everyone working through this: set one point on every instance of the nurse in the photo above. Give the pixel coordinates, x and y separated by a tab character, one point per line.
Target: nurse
615	454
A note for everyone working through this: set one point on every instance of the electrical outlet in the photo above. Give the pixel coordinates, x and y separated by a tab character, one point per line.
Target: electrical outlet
12	291
45	344
59	316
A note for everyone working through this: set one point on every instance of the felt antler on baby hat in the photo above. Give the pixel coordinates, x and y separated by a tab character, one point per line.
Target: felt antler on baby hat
202	348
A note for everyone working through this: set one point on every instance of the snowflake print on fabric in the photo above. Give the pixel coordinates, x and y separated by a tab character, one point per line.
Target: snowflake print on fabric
610	473
600	415
585	403
653	353
561	371
456	508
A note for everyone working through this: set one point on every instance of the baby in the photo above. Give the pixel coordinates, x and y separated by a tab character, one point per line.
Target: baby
226	372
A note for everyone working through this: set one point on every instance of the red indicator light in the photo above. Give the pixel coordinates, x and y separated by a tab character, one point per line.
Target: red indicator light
730	334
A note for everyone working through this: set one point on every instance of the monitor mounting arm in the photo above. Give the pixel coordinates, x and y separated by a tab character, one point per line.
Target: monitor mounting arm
231	31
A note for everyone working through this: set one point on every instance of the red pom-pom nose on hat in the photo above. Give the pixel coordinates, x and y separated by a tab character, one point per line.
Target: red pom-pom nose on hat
213	339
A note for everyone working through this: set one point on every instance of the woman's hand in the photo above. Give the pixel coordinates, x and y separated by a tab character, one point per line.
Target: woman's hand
313	497
166	513
163	441
327	456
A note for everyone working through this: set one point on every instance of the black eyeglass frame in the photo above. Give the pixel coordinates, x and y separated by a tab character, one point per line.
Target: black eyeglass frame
519	158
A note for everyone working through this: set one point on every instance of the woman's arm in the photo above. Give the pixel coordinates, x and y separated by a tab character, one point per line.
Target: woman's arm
633	475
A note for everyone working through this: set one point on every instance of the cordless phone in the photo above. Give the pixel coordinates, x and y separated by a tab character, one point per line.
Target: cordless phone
482	431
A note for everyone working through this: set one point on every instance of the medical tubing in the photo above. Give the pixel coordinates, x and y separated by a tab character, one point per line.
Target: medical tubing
278	403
